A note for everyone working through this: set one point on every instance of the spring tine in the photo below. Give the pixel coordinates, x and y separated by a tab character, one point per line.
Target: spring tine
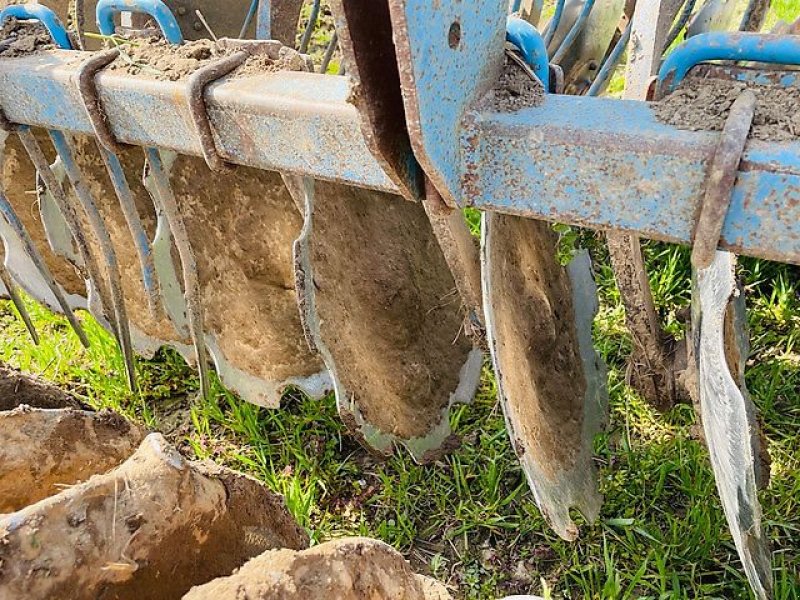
122	327
67	210
573	32
312	23
30	248
683	18
550	31
13	293
138	234
326	59
188	263
604	75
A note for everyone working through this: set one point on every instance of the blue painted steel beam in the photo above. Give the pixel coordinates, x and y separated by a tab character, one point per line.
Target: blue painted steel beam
601	163
284	121
609	164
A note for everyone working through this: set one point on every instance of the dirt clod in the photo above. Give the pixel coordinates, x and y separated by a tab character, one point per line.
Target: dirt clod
17	389
704	104
151	528
19	38
514	90
346	569
44	450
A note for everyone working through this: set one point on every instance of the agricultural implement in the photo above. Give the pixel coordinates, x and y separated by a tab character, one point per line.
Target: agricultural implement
294	228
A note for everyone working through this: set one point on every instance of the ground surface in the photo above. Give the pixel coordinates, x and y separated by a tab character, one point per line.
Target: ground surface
469	519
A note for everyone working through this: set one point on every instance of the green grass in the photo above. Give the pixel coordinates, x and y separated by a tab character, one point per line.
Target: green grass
469	519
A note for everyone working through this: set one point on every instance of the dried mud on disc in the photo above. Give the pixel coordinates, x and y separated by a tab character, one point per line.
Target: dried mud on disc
19	186
151	528
381	305
345	569
551	381
45	450
242	225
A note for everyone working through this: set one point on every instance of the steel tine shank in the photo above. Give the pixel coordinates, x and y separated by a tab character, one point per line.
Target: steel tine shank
191	282
110	149
30	249
100	233
16	299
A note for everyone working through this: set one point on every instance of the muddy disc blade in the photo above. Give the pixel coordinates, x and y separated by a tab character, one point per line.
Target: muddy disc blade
380	304
728	417
243	249
552	383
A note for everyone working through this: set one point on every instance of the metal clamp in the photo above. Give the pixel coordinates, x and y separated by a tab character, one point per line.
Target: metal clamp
720	179
39	12
106	9
196	86
87	88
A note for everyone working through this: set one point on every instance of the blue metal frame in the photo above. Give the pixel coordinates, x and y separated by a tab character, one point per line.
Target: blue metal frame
758	47
39	12
106	9
573	32
525	37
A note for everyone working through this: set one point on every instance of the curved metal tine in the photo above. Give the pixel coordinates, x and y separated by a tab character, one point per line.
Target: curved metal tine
41	164
134	222
312	23
326	59
683	18
574	31
109	147
13	293
251	12
30	249
100	232
552	26
191	280
604	74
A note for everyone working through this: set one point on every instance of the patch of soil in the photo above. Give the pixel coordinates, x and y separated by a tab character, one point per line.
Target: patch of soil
704	104
346	569
285	59
389	311
242	225
514	90
536	341
17	389
19	184
154	58
18	38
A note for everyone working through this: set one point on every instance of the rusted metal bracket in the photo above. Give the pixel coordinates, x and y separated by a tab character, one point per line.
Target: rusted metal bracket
195	90
720	180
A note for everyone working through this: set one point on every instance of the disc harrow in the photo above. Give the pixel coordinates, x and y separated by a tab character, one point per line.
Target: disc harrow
296	229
